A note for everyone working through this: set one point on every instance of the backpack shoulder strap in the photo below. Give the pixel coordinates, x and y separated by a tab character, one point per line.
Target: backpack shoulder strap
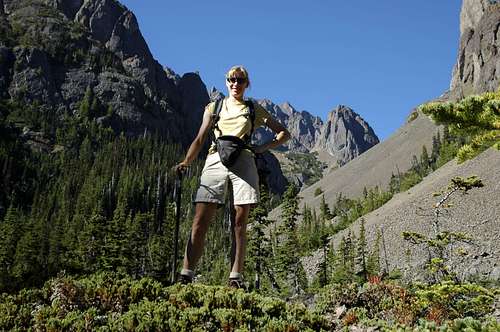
251	111
216	114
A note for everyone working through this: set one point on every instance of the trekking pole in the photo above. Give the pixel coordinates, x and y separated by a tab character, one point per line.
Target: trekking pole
177	196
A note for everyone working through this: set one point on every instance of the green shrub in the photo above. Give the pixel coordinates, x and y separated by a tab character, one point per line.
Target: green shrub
455	300
112	301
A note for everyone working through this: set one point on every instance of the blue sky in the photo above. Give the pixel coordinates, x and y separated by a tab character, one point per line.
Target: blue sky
382	58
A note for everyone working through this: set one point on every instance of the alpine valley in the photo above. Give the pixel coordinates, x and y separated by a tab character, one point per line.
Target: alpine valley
351	233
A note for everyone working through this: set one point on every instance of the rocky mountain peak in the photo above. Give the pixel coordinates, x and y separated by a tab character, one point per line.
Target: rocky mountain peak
288	108
345	135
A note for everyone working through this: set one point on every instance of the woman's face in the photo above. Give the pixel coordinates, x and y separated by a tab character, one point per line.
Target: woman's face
236	85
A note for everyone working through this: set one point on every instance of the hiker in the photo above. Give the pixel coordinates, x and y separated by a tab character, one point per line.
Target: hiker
234	120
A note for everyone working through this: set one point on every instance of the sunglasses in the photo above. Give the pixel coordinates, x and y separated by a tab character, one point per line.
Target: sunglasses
239	80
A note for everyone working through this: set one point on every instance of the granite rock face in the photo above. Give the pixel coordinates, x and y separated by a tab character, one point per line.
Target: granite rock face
65	47
345	135
477	68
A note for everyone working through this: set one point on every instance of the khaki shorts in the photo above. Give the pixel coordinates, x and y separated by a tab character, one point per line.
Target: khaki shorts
215	178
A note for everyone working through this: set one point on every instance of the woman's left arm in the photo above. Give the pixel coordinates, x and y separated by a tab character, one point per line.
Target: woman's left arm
282	135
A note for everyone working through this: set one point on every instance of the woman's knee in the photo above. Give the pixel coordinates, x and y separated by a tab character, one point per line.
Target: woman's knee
241	219
202	217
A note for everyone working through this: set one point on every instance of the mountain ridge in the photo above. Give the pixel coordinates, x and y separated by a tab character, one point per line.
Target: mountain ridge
344	135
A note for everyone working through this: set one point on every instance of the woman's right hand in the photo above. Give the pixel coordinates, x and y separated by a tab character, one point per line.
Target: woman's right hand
181	167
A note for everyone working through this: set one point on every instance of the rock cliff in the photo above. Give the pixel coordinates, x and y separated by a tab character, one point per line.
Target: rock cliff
478	63
57	50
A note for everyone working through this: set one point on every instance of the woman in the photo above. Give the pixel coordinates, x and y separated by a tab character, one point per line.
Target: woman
233	120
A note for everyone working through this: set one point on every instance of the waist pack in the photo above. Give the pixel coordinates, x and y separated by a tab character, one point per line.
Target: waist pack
229	149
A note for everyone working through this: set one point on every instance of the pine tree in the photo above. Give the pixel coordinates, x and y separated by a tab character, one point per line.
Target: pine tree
10	232
26	264
362	252
114	240
373	261
160	248
436	146
324	210
86	103
306	226
477	117
288	259
394	184
425	160
91	242
135	251
323	267
344	269
259	247
439	241
415	165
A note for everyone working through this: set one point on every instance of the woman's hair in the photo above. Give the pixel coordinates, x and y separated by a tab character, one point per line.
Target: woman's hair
241	70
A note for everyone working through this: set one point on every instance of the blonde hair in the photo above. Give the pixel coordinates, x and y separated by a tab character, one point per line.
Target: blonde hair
241	70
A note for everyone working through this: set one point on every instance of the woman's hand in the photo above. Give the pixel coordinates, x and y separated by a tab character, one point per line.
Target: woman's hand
197	144
181	167
282	135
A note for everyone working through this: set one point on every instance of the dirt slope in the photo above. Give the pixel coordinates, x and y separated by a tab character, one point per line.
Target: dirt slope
477	213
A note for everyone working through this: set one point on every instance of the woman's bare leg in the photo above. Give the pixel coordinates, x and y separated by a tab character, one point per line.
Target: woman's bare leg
203	217
240	236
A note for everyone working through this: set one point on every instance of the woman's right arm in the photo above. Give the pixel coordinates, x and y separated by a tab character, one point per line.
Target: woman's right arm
197	143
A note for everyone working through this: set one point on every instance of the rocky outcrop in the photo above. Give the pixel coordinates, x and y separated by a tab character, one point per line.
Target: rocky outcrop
477	68
215	94
345	135
68	7
303	126
67	47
